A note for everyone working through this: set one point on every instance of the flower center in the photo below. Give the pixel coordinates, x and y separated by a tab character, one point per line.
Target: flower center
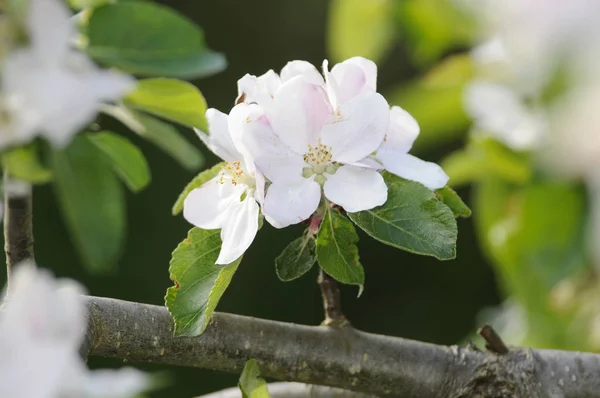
234	174
319	160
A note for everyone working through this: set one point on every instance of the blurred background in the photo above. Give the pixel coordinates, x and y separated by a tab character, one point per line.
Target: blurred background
405	295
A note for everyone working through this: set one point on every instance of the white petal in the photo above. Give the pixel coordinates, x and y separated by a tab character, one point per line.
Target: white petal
301	68
292	202
207	207
368	67
355	188
219	140
499	110
350	79
111	86
402	132
50	29
259	90
239	231
281	168
121	383
358	129
299	111
412	168
370	162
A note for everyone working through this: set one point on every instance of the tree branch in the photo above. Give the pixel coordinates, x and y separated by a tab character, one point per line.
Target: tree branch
293	390
18	228
332	301
340	357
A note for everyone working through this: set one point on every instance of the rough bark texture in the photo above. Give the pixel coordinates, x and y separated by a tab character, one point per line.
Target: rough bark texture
340	357
18	228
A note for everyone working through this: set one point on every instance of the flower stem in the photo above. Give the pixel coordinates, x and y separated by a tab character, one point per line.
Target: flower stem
332	303
18	228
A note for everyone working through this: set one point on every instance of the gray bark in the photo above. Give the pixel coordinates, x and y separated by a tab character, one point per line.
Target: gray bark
344	358
18	227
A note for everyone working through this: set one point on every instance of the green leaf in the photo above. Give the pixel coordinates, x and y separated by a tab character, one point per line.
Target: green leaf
92	202
451	199
125	158
199	282
484	157
159	133
201	178
535	237
23	163
84	4
296	259
251	384
172	99
433	27
148	39
337	252
412	219
359	27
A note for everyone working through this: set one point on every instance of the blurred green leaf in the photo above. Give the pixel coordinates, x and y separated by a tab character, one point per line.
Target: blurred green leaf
172	99
251	384
159	133
149	39
199	282
483	157
24	164
535	236
411	219
436	101
92	202
84	4
296	259
433	27
200	179
360	27
451	199
125	158
336	251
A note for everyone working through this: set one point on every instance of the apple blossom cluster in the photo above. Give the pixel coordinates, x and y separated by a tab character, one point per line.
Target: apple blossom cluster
42	326
299	140
48	88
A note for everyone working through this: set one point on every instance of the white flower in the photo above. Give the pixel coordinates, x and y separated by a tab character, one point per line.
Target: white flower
501	112
302	145
42	325
357	76
228	201
48	88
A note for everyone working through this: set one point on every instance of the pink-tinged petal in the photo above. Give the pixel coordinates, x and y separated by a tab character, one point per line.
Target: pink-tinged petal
292	202
299	111
355	188
239	230
412	168
50	29
331	87
219	140
368	67
301	68
350	80
207	207
358	128
402	132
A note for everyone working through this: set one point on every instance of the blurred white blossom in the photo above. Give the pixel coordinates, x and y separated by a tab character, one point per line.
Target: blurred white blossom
42	325
49	89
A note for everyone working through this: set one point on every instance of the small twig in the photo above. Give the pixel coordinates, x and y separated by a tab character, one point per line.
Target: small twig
18	228
493	341
332	303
